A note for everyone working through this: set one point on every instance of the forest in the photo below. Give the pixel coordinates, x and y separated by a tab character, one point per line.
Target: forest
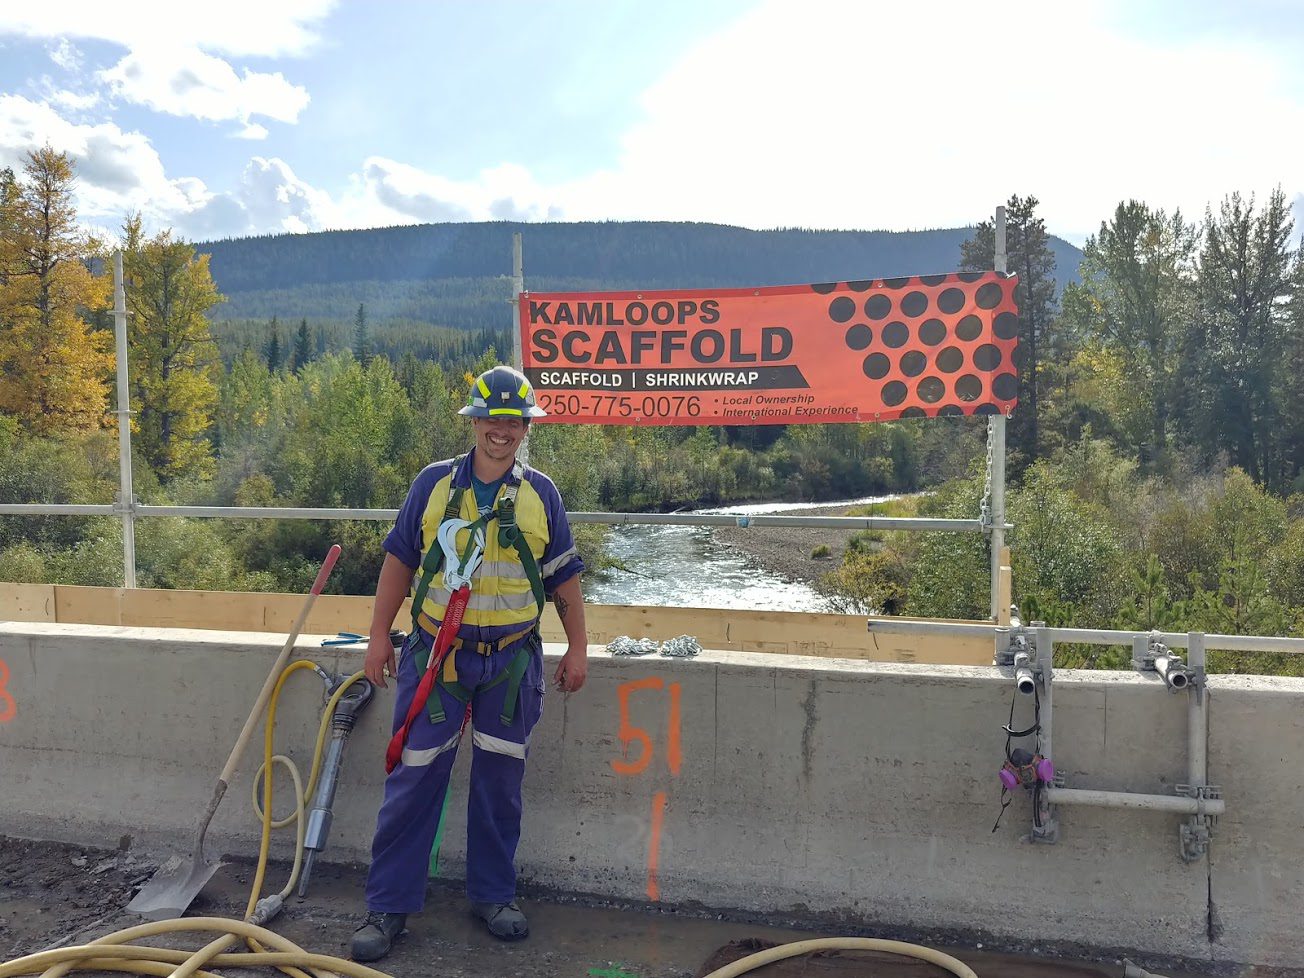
1156	456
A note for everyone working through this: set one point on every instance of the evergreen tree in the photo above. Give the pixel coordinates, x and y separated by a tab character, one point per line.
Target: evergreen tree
1235	358
302	347
1292	395
1137	299
272	352
361	339
1029	256
54	368
174	368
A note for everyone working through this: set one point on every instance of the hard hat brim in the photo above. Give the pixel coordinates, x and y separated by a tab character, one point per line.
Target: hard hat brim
473	411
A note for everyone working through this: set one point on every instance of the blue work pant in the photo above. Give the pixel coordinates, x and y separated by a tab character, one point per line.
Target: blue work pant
415	790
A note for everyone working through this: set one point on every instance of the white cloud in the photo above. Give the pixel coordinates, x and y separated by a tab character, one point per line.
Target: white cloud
65	54
273	197
503	193
119	172
832	114
185	81
75	101
238	27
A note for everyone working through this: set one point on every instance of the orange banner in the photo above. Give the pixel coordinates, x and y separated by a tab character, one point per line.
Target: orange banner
873	350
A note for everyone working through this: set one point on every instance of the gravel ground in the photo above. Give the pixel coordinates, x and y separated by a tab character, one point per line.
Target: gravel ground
786	550
53	895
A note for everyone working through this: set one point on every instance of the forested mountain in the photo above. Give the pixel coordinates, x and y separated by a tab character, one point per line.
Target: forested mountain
455	274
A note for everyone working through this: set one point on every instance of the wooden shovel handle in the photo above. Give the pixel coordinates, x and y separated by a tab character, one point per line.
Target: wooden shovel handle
261	703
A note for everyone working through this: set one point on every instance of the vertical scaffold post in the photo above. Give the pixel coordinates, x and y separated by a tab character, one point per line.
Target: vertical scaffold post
518	361
126	493
996	454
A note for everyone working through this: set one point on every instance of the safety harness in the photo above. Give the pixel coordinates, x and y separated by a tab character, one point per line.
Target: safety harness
437	666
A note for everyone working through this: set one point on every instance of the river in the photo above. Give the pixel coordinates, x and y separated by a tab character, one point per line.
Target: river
682	566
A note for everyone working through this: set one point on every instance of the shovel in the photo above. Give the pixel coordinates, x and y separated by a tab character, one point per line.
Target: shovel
178	881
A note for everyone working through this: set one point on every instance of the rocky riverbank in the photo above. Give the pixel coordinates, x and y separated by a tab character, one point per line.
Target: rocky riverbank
787	550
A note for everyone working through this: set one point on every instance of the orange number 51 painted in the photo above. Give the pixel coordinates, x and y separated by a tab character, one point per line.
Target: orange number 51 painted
629	732
8	708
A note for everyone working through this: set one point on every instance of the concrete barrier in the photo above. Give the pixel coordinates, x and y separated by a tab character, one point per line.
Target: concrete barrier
768	783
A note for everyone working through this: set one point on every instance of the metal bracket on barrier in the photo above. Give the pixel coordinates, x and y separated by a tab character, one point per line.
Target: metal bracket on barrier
1195	834
1012	640
1151	655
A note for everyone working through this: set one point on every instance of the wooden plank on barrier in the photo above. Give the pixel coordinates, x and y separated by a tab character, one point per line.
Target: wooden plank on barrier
331	613
808	634
227	611
88	605
27	602
812	634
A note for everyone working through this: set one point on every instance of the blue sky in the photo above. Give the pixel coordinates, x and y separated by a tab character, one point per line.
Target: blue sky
256	117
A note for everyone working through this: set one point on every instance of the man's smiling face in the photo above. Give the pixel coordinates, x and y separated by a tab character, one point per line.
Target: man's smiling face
498	438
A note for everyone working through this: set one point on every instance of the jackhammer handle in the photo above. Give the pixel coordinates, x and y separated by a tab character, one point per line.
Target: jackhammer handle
261	704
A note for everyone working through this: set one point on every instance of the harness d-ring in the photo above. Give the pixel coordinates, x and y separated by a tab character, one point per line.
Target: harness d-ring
458	567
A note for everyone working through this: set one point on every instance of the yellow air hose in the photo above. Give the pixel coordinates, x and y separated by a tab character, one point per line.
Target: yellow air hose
115	953
784	951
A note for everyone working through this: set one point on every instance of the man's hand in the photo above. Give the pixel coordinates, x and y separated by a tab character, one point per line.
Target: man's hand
572	670
380	660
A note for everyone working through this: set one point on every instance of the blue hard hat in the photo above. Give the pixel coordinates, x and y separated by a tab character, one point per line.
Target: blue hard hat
502	393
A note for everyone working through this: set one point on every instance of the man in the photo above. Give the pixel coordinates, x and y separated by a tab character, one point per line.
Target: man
495	668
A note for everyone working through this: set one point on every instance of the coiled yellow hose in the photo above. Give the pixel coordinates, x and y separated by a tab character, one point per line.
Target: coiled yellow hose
114	953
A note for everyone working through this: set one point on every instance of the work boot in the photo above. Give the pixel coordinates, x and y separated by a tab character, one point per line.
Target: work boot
505	920
373	939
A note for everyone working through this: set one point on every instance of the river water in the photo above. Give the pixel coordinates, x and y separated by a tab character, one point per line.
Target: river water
682	567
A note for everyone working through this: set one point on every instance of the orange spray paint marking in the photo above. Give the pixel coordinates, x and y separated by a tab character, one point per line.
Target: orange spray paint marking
654	845
8	708
630	732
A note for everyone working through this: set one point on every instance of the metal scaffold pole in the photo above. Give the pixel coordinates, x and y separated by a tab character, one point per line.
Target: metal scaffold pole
126	494
518	286
996	453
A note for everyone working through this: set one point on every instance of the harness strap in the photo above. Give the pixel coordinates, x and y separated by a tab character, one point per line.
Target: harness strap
509	535
434	558
448	681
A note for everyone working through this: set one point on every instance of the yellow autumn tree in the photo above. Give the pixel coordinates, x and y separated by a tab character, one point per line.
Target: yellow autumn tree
174	361
54	367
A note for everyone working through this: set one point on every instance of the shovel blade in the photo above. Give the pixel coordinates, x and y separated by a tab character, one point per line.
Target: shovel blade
177	883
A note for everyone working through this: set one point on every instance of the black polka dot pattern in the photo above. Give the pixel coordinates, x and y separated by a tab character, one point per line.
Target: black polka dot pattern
913	363
877	366
932	332
931	345
914	304
896	334
931	390
951	301
841	309
878	307
894	392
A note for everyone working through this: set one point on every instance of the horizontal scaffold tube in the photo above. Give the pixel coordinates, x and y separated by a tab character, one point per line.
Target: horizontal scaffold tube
1091	636
1178	804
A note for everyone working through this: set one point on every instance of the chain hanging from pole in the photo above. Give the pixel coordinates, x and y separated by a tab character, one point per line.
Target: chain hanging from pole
985	510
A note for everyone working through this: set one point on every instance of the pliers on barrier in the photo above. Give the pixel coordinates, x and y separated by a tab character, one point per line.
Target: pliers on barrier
345	638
